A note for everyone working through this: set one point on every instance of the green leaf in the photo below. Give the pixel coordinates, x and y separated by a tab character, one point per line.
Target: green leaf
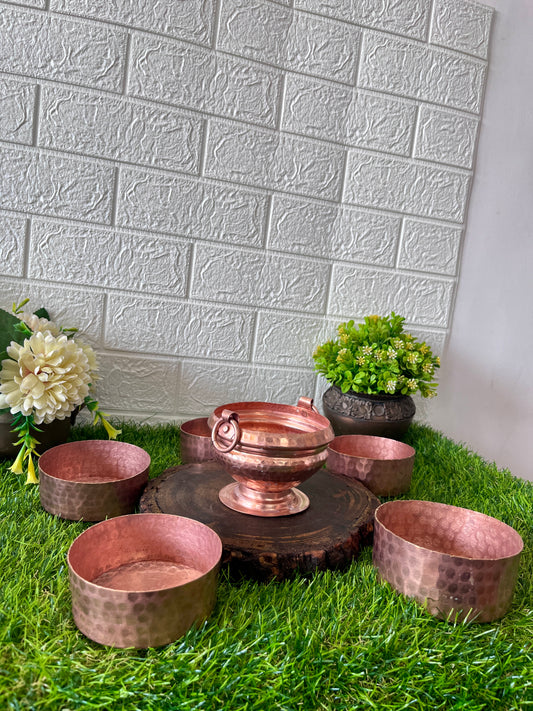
42	313
8	332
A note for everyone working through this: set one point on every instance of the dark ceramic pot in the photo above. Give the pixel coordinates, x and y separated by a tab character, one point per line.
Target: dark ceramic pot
54	433
378	415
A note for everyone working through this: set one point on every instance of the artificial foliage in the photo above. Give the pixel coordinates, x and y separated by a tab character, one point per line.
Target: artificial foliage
378	356
46	374
332	641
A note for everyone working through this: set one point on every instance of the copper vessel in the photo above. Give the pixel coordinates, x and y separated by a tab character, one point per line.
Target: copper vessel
460	564
383	465
195	439
143	580
92	480
269	449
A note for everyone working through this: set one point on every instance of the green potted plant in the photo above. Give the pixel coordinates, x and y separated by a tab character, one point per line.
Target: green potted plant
374	368
46	376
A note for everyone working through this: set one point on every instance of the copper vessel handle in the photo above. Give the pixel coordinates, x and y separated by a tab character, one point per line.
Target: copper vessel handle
307	404
231	421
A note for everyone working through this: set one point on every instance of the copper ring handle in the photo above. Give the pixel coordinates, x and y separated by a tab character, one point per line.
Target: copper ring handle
230	419
307	404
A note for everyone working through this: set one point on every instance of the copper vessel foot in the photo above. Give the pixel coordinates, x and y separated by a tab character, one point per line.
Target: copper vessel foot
245	500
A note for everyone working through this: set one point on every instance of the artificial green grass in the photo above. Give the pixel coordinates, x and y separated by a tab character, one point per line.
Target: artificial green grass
334	640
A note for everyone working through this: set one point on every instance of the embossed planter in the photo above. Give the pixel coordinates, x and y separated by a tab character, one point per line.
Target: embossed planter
52	434
378	415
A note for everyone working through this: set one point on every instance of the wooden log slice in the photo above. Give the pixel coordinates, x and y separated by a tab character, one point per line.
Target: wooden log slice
329	534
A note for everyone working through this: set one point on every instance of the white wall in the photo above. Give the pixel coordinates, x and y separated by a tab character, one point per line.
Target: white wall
486	386
206	187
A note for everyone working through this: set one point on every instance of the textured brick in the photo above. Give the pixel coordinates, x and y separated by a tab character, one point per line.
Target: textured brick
430	248
446	137
79	255
324	231
415	188
283	339
408	17
17	100
54	185
268	32
119	129
333	112
61	49
13	231
423	300
268	159
270	280
190	208
205	386
462	25
177	328
187	19
192	77
143	385
415	70
68	306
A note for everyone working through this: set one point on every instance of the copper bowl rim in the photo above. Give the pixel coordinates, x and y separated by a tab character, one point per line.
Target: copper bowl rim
410	451
477	514
320	434
113	480
196	421
144	591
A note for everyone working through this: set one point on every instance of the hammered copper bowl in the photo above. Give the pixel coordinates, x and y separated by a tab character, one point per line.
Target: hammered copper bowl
92	480
143	580
195	438
383	465
460	564
269	449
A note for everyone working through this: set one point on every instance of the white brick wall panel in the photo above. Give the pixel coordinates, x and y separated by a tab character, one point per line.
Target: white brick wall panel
55	185
79	255
144	385
191	20
462	25
40	45
321	230
289	39
417	71
333	112
178	328
272	160
68	306
446	137
119	129
255	278
416	188
193	77
358	292
206	386
17	100
430	248
13	231
408	17
190	208
288	340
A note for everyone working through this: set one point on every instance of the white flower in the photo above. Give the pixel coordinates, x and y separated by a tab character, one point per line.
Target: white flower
48	376
37	324
390	386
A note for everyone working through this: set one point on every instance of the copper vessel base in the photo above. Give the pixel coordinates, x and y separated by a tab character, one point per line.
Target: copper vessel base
145	575
241	498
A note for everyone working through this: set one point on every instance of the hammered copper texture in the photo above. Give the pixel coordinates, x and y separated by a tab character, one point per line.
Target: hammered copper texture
195	439
143	615
269	449
92	480
460	564
383	465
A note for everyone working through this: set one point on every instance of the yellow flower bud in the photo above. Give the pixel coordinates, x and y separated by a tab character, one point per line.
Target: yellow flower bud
31	478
